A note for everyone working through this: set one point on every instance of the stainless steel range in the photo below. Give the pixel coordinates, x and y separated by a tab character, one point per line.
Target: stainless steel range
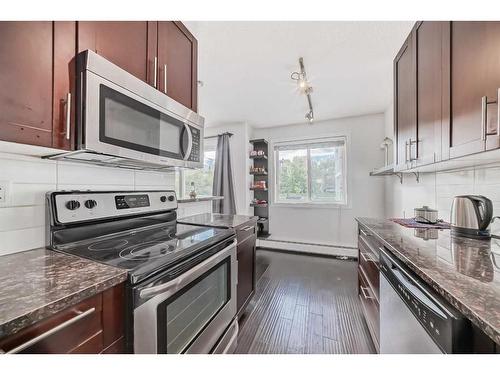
181	289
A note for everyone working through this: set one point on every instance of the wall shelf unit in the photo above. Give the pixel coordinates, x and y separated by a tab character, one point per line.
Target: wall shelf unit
259	171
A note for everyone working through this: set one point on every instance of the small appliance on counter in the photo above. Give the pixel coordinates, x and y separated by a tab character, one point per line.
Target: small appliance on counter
426	215
471	216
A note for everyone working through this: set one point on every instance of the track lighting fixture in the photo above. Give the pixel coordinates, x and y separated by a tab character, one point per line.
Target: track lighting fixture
304	87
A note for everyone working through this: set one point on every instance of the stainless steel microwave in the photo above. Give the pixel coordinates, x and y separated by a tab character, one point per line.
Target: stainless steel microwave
124	122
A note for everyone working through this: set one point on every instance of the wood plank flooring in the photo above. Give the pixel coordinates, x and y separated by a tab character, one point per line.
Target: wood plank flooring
304	304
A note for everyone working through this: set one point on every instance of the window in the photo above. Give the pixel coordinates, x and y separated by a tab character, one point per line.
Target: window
311	171
202	178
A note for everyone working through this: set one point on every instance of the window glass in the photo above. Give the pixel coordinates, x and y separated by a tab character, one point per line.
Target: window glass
311	172
201	178
292	175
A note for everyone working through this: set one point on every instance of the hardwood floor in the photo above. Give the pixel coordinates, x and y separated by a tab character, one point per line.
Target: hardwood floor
304	304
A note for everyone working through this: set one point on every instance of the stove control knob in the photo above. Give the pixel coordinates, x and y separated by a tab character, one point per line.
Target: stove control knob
72	205
171	198
163	198
90	203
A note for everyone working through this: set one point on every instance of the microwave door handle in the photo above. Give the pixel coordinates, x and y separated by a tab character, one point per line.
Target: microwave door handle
190	142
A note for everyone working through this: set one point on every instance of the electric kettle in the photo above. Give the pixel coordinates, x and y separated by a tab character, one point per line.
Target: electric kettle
471	216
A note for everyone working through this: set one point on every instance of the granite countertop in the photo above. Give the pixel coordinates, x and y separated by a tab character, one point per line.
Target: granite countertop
37	283
217	220
199	199
465	272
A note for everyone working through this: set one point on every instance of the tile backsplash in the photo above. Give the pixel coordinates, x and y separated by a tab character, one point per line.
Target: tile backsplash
28	178
438	189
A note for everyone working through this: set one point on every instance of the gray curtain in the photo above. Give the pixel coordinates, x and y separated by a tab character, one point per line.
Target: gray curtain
223	178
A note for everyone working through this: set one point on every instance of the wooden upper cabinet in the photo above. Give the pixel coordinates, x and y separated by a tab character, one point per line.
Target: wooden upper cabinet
432	90
177	63
405	103
64	94
26	82
475	80
129	44
36	76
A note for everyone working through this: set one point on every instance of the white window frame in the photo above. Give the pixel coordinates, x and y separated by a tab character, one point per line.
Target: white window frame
316	204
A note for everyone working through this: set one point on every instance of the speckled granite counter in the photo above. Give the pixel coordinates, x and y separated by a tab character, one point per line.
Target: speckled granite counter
466	272
217	220
38	283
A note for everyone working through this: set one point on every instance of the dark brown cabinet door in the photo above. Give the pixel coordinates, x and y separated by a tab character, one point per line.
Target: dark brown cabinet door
130	45
246	270
177	63
64	128
475	80
430	90
26	82
405	103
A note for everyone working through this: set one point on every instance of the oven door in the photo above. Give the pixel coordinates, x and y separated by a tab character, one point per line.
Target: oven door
188	314
130	119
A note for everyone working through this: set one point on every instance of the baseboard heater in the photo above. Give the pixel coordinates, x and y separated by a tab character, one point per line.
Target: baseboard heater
310	248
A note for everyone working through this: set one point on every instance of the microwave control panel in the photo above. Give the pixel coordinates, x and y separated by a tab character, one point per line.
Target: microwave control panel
196	149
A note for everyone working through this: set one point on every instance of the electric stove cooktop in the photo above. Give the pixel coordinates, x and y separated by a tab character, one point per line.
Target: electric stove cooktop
145	251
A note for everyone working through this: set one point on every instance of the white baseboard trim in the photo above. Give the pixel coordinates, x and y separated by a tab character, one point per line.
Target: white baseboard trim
309	248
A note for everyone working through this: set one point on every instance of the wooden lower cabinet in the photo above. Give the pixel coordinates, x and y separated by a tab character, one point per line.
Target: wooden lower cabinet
93	326
368	282
247	237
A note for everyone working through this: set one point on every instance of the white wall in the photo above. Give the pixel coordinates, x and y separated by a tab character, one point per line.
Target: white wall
22	217
333	226
240	162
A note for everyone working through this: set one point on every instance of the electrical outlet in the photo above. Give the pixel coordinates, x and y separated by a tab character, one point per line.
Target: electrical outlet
4	193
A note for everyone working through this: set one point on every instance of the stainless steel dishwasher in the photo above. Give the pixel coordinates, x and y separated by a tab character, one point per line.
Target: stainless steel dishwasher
413	318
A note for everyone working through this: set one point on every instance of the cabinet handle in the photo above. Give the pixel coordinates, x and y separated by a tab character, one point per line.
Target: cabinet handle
370	259
366	295
68	116
411	142
155	72
165	78
364	233
498	111
406	151
50	332
484	118
246	229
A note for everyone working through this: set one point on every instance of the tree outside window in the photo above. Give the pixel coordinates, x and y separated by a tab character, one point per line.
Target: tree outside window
311	172
202	178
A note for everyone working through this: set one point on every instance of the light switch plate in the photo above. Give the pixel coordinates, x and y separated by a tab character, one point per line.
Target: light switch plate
4	193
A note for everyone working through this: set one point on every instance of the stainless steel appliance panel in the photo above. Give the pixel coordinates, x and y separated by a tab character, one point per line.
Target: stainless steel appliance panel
413	318
400	331
124	122
150	131
204	321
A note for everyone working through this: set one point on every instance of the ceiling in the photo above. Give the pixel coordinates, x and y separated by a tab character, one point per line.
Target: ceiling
245	68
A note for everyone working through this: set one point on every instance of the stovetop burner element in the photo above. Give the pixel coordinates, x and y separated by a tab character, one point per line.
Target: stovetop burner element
143	240
111	244
147	250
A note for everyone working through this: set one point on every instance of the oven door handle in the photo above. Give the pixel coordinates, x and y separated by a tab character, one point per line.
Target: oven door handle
187	276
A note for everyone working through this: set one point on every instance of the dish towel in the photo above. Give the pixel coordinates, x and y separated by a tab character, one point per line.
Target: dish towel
411	223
